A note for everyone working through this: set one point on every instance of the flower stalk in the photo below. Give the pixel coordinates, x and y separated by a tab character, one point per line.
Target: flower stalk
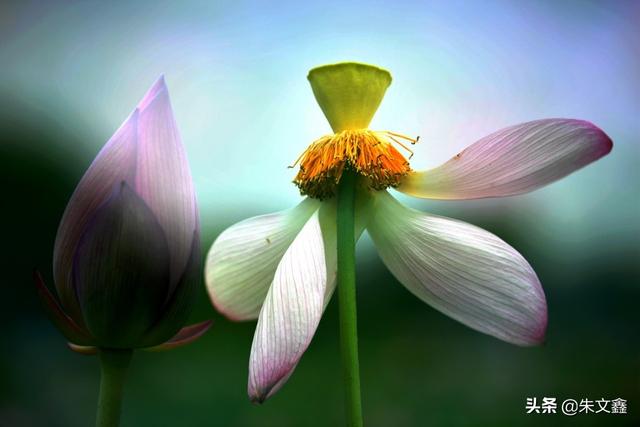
347	297
113	372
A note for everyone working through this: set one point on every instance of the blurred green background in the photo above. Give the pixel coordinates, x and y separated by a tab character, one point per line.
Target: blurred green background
72	71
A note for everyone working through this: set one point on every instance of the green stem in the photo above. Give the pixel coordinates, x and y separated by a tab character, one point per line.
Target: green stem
113	370
347	296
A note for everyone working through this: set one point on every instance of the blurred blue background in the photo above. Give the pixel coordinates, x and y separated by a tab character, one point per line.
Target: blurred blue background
72	71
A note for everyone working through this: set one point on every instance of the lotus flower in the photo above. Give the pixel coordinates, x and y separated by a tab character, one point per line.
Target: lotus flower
127	255
281	268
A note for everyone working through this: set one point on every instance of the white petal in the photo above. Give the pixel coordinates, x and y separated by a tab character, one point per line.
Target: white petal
461	270
514	160
290	313
327	219
242	261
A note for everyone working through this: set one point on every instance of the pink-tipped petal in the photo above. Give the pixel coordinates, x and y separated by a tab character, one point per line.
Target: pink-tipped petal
163	178
243	260
185	336
514	160
115	163
290	313
158	86
461	270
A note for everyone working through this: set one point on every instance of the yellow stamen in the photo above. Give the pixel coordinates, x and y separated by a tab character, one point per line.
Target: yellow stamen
369	153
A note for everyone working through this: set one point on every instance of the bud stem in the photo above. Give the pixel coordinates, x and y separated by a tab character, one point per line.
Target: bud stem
347	297
113	370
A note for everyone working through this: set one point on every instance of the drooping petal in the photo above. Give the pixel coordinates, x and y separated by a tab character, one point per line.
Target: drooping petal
243	260
115	163
58	317
461	270
121	270
185	336
163	178
514	160
327	218
290	313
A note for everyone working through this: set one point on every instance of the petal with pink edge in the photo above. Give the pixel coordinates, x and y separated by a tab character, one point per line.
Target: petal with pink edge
461	270
290	313
514	160
327	218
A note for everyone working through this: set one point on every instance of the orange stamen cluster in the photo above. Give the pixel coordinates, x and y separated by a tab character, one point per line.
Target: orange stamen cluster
369	153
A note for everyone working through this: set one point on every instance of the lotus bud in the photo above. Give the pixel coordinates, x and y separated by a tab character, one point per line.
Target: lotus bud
127	251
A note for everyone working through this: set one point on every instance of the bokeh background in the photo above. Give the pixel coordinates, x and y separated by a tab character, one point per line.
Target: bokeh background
70	73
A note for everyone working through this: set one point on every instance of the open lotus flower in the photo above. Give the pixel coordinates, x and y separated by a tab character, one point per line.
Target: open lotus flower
281	268
127	252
